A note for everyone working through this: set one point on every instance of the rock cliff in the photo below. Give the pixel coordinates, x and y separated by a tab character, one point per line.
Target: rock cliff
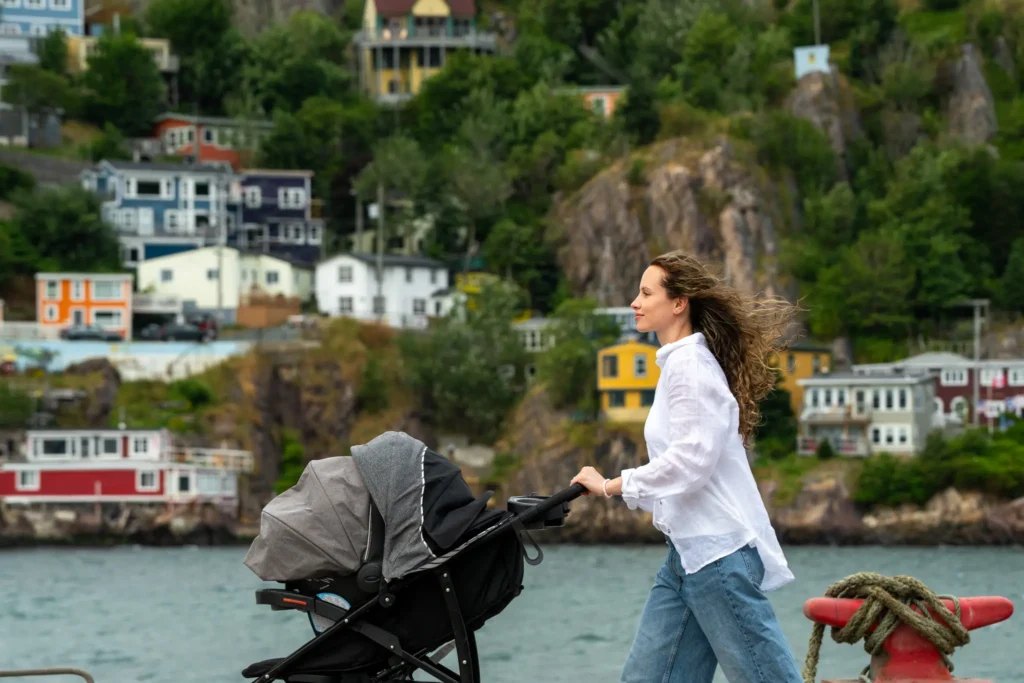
706	199
827	101
971	107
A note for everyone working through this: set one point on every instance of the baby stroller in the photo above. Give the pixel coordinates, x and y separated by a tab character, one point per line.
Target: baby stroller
394	561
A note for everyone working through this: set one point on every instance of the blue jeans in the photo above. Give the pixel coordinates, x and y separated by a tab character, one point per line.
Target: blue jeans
718	615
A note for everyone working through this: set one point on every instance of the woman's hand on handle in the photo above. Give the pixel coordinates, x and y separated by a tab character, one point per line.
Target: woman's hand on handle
595	482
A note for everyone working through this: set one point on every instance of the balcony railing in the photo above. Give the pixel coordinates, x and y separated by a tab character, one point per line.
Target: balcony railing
427	38
808	445
220	458
835	414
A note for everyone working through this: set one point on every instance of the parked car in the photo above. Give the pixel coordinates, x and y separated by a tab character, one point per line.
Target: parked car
183	332
90	333
207	323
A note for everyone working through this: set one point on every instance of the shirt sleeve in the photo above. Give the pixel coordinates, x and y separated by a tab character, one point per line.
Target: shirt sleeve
699	413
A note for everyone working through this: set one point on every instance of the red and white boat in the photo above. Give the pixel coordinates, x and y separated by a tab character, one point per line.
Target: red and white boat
67	466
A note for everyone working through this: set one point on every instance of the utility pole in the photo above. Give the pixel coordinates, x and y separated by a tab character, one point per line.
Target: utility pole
380	250
817	24
978	305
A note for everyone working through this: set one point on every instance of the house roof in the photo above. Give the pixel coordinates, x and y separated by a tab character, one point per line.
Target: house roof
211	120
276	172
84	276
396	260
460	9
833	378
208	167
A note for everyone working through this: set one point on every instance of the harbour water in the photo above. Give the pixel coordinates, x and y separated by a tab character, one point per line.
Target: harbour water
187	615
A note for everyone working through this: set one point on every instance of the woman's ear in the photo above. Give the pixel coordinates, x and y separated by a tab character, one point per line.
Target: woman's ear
680	305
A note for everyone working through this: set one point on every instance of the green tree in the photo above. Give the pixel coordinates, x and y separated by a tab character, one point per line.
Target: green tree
569	368
293	462
42	93
16	407
53	52
211	49
468	370
1011	289
64	226
291	62
123	85
110	144
778	429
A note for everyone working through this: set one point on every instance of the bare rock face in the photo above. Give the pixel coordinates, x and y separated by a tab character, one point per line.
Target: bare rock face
101	399
826	101
822	513
971	107
252	16
704	201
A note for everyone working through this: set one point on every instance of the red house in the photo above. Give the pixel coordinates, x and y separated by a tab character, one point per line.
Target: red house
208	138
119	466
1000	384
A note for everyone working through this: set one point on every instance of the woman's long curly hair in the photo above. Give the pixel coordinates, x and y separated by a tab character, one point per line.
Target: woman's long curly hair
742	331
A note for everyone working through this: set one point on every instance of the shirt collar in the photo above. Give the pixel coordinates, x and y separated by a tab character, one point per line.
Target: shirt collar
663	353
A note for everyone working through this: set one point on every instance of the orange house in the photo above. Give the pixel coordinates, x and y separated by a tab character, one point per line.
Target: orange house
103	299
209	138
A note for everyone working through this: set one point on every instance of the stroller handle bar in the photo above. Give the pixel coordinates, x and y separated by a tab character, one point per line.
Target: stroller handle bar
553	501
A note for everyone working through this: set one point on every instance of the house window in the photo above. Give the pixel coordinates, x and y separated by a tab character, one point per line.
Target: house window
344	273
903	399
272	277
597	105
109	446
640	365
211	273
610	366
171	221
208	136
55	447
145	480
77	290
253	197
184	483
814	398
790	364
147	188
106	290
131	255
646	398
166	275
990	376
140	444
419	306
816	365
203	189
876	402
10	4
51	313
876	435
828	397
379	305
345	305
616	399
433	277
11	29
958	406
53	290
888	435
1016	377
28	480
954	378
408	274
840	397
860	401
107	319
291	198
60	5
903	435
888	399
314	234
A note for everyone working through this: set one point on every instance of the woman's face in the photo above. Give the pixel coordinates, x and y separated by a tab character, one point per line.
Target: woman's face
652	307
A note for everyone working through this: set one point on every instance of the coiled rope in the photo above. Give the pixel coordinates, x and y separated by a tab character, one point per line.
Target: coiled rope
887	603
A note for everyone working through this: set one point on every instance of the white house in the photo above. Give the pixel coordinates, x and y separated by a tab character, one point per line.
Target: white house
211	277
863	414
347	285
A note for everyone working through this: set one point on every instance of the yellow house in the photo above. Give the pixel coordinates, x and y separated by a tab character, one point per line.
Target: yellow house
81	47
626	378
801	361
404	42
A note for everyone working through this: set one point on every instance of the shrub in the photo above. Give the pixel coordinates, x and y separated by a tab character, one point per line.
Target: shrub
293	461
825	450
194	391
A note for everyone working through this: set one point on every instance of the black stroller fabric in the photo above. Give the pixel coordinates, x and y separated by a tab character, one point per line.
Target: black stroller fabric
487	577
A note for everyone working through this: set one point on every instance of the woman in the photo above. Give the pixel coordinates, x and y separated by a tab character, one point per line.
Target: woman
708	603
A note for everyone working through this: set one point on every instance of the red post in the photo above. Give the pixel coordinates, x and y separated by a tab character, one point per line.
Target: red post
909	657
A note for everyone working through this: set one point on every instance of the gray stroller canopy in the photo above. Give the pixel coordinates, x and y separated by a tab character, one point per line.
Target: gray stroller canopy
320	526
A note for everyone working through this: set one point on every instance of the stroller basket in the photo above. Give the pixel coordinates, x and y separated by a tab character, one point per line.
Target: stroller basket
372	625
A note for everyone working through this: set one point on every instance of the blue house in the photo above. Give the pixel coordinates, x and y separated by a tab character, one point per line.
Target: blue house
40	17
276	215
165	208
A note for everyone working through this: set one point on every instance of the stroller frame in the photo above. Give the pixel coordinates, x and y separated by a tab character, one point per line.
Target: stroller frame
464	639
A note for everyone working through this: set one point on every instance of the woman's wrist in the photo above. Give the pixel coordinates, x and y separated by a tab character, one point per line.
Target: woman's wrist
612	487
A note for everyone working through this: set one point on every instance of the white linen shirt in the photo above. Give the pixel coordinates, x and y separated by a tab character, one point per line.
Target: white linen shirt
698	483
